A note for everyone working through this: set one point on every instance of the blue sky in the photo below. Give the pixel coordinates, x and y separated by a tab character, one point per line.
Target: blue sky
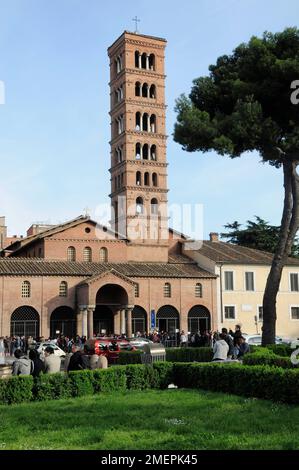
54	126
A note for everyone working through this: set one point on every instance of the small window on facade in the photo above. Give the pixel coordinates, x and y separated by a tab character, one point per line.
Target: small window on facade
103	255
294	282
167	289
249	281
26	289
63	289
87	254
71	253
295	313
136	290
139	205
229	312
198	290
229	280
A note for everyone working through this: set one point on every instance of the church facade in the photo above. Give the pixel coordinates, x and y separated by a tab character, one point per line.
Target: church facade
81	277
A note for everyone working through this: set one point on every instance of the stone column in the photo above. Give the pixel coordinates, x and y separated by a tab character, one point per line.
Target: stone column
147	62
139	61
123	321
129	321
90	311
148	123
117	320
84	322
79	322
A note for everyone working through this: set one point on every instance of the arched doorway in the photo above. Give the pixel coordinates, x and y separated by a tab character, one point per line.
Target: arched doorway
199	319
24	322
63	319
103	320
168	319
109	299
139	320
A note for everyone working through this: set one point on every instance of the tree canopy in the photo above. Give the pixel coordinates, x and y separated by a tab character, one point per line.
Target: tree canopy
257	234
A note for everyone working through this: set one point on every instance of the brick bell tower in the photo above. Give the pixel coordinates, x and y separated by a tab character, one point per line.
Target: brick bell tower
138	145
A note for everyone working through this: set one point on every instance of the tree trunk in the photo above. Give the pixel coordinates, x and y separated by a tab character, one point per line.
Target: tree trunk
288	230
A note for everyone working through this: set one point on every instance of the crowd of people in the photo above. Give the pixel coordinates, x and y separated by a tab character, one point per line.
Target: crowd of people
227	345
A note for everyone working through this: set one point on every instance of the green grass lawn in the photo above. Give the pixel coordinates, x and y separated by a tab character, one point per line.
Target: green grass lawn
170	420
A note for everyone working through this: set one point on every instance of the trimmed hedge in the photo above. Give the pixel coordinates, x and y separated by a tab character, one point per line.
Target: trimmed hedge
283	350
271	383
265	356
16	389
172	355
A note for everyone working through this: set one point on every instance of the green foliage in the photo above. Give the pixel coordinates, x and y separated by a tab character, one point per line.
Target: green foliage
244	104
165	373
141	377
81	382
189	354
283	350
272	383
265	356
16	389
129	357
107	380
172	355
52	387
258	235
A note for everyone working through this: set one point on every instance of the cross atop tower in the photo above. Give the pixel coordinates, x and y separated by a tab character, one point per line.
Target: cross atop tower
136	23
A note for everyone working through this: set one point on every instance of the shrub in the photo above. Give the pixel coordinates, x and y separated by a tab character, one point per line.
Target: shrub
283	350
266	382
52	387
165	373
81	382
189	354
140	377
127	357
267	357
16	389
107	380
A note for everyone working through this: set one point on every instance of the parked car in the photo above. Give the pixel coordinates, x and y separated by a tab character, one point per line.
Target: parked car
256	340
110	347
138	342
40	347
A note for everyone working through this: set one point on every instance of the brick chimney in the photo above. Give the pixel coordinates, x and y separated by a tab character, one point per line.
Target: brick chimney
214	237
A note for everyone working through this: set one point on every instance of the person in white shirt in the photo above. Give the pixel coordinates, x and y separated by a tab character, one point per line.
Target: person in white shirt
183	339
220	349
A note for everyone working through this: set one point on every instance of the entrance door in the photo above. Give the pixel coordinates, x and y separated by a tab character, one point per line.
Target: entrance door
103	320
24	322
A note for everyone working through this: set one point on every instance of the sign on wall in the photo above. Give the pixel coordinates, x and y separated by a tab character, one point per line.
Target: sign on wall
153	319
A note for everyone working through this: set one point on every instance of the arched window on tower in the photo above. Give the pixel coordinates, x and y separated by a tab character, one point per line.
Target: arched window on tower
139	205
153	152
137	89
145	122
26	289
71	253
146	179
63	289
138	178
153	123
143	61
198	290
138	121
152	61
145	90
154	206
152	92
138	151
137	64
155	179
87	254
145	152
103	255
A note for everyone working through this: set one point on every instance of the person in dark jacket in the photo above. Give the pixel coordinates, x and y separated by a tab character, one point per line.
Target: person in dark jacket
39	365
78	360
229	341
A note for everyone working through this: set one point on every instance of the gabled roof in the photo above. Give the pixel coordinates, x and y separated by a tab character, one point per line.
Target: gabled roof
176	268
223	252
52	231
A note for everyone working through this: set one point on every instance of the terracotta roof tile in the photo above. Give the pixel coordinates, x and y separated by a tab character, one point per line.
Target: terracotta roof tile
41	267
